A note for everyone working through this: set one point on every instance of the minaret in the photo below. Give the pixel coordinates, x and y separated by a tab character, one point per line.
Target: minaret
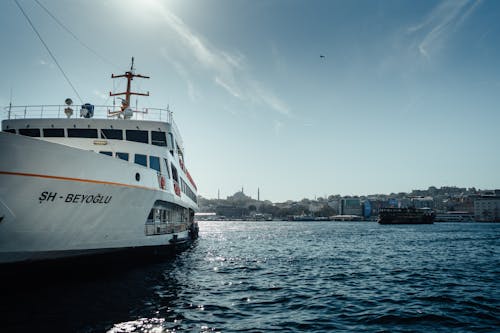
258	193
218	194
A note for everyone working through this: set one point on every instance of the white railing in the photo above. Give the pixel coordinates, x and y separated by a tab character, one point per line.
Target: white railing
100	112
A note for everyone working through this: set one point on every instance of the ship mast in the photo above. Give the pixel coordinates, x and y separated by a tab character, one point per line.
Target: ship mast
129	75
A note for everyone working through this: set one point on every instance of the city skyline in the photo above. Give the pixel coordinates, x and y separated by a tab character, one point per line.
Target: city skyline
256	195
299	99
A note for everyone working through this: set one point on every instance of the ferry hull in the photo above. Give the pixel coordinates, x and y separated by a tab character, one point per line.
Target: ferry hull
54	203
405	216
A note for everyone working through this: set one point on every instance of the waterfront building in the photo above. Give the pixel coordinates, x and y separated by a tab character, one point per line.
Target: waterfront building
422	202
350	206
487	208
367	209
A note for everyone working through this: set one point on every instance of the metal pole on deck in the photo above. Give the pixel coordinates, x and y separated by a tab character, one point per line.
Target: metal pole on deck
10	102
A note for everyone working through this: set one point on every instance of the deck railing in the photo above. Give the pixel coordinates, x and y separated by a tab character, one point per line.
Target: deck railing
151	228
100	112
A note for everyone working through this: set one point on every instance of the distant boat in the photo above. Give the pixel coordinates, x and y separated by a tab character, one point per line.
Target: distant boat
301	218
408	215
346	218
454	217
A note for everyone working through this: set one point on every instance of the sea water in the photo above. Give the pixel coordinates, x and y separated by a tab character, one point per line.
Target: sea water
285	277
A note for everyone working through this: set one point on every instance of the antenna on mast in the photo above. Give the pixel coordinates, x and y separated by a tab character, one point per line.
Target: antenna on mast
125	108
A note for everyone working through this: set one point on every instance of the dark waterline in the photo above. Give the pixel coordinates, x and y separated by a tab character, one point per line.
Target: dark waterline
281	276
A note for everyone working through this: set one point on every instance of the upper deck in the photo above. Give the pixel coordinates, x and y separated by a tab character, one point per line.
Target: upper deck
100	112
107	114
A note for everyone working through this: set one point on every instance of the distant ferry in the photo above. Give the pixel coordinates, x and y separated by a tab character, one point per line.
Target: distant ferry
455	217
73	186
405	216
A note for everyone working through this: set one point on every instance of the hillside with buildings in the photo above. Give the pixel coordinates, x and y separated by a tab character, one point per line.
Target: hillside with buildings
449	203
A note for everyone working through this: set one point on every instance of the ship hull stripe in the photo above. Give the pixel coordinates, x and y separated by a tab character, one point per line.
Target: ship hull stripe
73	179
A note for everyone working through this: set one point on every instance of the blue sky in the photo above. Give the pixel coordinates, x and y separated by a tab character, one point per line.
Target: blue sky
406	96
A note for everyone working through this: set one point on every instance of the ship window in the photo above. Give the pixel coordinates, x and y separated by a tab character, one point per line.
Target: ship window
137	136
53	132
141	160
12	130
171	143
34	132
122	156
112	134
82	133
154	163
167	172
158	138
109	153
174	174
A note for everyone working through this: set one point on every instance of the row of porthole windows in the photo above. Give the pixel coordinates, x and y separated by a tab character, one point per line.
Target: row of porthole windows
185	188
158	138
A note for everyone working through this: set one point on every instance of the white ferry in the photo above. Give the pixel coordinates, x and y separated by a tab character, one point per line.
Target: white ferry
72	184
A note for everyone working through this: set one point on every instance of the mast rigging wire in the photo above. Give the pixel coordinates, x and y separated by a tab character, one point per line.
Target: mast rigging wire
48	50
75	36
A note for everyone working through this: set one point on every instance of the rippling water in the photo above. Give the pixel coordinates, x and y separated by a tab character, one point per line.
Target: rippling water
289	277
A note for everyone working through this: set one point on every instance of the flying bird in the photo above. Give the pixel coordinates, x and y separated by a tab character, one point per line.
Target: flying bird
321	56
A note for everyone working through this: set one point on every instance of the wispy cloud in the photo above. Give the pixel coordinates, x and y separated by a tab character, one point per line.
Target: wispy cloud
230	87
228	70
193	92
440	23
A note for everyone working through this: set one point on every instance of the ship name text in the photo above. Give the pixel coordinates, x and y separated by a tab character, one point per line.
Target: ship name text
99	198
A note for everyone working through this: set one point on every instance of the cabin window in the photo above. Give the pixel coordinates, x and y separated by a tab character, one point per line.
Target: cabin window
137	136
171	143
158	138
109	153
122	156
53	132
112	134
12	130
174	174
167	171
82	133
141	160
33	132
154	163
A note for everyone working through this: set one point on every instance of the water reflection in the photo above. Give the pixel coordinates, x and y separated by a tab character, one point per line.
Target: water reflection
293	277
89	298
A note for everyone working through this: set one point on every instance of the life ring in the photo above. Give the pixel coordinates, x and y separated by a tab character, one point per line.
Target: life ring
162	182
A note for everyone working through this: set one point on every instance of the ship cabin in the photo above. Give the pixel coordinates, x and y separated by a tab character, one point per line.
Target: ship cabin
150	144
